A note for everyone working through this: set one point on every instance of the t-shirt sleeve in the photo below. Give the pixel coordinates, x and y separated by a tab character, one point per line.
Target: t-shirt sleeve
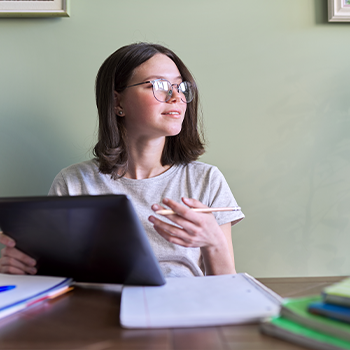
59	186
221	196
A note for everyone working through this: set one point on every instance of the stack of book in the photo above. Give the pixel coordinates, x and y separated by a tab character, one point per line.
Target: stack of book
18	292
317	322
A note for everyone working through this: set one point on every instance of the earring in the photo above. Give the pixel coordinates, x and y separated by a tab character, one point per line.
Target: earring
120	112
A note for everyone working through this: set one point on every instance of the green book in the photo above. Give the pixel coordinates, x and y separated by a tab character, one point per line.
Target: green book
338	293
296	310
283	328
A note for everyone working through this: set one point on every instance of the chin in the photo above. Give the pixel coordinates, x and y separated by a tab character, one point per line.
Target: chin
174	132
174	129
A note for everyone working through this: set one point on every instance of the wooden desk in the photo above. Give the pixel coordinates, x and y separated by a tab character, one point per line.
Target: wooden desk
89	319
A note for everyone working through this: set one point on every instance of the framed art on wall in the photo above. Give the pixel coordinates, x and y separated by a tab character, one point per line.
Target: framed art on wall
34	8
338	10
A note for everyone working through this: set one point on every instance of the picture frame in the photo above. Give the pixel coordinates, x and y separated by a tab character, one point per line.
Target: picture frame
34	8
338	10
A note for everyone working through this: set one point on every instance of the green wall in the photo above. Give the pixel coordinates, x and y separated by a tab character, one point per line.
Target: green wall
274	82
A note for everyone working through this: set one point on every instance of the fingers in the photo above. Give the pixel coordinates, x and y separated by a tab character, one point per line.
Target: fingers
177	207
156	207
14	266
191	229
173	234
16	254
184	211
187	236
187	218
193	203
175	218
6	240
13	260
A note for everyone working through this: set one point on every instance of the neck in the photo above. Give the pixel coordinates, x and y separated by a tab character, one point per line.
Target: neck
145	159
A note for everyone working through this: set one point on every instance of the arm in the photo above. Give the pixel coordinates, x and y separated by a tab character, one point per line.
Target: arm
198	230
219	260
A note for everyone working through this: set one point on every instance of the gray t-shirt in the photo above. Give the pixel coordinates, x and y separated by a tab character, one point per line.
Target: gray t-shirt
195	180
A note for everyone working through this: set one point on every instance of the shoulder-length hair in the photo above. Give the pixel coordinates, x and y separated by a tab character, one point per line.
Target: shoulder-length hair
114	74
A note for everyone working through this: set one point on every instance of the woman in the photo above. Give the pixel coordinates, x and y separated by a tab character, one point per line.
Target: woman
147	148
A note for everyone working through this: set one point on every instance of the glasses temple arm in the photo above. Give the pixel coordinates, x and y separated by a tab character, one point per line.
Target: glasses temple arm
146	82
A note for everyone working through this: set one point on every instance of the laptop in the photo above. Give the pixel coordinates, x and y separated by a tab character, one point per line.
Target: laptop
95	239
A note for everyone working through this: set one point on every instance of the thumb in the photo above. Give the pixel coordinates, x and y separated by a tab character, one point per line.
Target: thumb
6	240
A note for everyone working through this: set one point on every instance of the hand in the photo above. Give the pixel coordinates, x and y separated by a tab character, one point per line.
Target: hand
14	261
197	230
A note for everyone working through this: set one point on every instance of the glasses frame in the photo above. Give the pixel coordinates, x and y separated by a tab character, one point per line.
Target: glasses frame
177	86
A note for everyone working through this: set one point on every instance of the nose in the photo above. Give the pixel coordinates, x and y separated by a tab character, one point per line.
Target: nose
175	96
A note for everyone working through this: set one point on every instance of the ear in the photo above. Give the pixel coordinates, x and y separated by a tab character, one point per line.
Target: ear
118	109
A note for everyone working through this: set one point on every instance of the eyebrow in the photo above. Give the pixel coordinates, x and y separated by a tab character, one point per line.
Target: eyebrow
152	77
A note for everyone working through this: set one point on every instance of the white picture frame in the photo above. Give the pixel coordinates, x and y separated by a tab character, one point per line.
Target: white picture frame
34	8
338	11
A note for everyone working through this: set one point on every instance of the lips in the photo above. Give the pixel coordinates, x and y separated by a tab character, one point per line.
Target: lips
175	113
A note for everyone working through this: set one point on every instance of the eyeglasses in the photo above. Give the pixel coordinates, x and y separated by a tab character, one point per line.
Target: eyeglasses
163	90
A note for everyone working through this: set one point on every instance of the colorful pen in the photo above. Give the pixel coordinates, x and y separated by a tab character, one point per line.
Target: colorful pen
199	210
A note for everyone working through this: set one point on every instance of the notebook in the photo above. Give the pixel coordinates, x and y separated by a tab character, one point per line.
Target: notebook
95	239
18	292
296	310
338	293
198	301
286	329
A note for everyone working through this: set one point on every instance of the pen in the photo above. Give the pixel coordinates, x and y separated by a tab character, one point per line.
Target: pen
59	292
52	295
5	288
198	210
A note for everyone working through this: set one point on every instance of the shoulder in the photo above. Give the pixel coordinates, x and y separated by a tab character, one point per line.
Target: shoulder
199	178
209	185
89	166
73	180
200	167
203	171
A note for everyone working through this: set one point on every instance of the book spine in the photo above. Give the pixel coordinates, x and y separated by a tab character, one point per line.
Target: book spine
336	299
268	292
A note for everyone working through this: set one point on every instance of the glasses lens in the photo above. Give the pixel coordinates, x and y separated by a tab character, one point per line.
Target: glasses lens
162	90
186	89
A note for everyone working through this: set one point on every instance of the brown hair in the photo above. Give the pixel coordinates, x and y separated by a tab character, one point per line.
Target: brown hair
114	75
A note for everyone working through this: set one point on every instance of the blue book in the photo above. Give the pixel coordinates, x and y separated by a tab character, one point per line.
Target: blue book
337	312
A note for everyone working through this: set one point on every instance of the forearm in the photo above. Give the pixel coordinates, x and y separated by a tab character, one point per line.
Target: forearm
218	259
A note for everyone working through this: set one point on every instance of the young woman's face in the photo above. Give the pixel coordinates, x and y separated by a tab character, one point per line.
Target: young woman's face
145	117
